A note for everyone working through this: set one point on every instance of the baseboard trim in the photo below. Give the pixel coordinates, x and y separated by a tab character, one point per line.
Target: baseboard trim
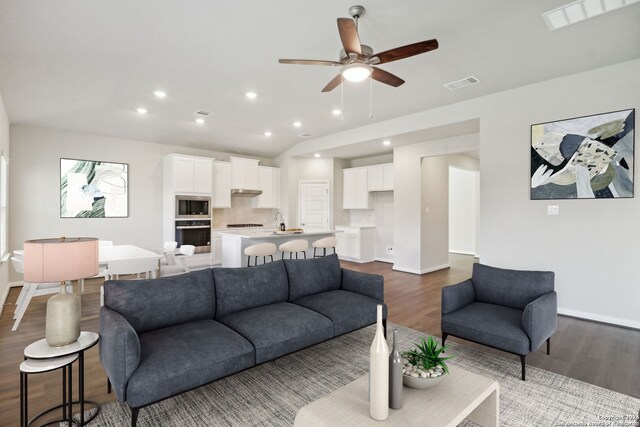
15	284
423	271
454	251
387	260
632	324
4	296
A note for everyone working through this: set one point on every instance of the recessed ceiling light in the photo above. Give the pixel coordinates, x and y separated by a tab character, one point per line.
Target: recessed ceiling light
200	120
316	155
268	133
336	112
141	110
297	124
386	142
251	95
160	94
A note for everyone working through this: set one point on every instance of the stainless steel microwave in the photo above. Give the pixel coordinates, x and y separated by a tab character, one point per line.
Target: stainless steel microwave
193	207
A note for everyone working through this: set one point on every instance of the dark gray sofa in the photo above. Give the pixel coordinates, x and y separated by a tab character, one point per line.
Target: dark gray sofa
161	337
511	310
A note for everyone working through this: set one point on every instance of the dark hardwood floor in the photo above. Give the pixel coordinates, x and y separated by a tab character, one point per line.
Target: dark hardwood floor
599	354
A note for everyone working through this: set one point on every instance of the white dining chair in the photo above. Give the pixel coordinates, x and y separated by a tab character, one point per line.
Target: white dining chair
146	266
177	262
29	291
167	248
18	253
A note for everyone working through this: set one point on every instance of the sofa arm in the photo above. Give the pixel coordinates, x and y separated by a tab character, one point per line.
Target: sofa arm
540	319
119	349
371	285
457	296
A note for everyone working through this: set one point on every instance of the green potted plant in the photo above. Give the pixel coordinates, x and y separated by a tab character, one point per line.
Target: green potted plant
425	364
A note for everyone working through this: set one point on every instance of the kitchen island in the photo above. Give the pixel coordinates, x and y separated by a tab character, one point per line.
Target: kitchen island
234	243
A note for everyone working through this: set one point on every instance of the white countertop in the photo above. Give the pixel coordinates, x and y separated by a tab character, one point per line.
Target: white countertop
262	234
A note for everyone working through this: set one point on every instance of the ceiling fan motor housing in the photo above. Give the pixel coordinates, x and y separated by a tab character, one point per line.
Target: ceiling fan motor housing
367	51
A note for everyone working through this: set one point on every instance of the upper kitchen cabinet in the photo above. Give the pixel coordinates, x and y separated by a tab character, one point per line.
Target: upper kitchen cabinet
221	185
355	194
380	177
269	184
189	174
244	173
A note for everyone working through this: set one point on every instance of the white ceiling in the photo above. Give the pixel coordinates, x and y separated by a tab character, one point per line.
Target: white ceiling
85	66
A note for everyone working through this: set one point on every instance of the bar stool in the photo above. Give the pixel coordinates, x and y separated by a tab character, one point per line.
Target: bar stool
260	249
296	246
324	243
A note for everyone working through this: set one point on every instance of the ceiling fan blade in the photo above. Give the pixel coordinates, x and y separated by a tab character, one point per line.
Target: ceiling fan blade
349	36
308	62
385	77
333	83
406	51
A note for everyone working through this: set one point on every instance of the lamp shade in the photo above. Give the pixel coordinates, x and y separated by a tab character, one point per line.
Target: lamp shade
61	259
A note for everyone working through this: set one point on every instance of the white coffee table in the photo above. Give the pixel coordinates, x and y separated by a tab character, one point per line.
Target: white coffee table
462	395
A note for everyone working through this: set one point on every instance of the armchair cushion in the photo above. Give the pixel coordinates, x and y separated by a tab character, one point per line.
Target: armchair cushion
181	357
490	324
510	288
457	296
540	319
371	285
312	276
119	349
347	310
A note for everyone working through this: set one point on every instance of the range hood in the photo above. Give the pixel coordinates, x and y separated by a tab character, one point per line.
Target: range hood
242	192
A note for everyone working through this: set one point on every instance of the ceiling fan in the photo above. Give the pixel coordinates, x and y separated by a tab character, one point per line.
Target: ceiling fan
357	60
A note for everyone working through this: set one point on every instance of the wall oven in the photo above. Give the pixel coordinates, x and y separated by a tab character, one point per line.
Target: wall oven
193	207
196	233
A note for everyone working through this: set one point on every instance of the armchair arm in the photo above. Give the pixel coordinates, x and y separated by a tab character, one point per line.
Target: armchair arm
457	296
119	349
371	285
540	319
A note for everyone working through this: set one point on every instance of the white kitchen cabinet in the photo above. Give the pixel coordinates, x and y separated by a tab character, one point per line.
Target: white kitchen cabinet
380	177
189	174
355	191
244	173
221	185
269	184
355	243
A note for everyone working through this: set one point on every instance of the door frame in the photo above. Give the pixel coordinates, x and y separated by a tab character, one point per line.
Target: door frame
315	181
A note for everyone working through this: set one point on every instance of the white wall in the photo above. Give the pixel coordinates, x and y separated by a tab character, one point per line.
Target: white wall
4	148
462	210
434	231
383	210
35	186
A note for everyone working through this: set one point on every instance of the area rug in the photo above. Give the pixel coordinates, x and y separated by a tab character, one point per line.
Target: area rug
271	394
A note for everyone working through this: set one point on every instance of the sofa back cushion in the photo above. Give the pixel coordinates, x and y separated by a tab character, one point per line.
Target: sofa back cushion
312	276
158	303
238	289
510	288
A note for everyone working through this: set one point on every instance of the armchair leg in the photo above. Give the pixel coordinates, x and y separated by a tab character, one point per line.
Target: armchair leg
108	386
548	345
522	362
444	337
134	416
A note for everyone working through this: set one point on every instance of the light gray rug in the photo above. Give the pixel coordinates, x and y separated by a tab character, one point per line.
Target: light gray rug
271	394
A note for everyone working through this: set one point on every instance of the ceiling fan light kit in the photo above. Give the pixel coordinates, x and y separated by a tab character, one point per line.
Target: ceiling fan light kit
356	72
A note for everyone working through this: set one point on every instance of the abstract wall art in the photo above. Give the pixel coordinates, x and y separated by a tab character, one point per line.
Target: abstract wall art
587	157
92	189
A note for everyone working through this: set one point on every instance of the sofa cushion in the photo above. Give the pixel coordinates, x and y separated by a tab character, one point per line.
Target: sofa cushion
312	276
489	324
157	303
511	288
238	289
181	357
280	328
347	310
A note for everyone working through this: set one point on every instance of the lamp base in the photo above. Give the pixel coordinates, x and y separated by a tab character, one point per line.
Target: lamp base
63	318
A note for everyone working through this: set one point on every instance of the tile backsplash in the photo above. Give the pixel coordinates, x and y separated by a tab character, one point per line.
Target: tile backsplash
241	212
363	217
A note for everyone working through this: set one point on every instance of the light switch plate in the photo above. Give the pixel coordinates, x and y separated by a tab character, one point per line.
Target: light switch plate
390	250
553	210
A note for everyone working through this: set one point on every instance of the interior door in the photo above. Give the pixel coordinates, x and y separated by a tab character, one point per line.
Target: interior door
314	206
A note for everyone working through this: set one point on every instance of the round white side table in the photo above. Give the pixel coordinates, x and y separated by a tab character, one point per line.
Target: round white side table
41	350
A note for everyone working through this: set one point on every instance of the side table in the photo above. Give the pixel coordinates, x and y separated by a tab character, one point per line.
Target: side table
32	366
41	350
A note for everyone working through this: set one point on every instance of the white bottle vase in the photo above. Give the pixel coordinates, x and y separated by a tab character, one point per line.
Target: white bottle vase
379	373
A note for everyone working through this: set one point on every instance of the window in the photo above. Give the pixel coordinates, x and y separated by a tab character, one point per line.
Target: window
4	166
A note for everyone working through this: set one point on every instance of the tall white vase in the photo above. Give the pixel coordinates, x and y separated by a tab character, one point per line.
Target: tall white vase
379	373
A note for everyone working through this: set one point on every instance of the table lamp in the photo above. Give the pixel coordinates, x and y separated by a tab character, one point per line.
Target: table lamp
61	260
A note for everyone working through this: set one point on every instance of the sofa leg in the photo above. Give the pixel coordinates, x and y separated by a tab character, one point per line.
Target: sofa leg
384	327
134	416
522	362
548	345
444	337
108	386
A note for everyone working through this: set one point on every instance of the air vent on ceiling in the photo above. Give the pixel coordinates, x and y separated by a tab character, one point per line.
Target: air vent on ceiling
202	113
459	84
305	135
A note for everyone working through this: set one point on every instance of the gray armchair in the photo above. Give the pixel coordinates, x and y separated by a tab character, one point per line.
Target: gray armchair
514	311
